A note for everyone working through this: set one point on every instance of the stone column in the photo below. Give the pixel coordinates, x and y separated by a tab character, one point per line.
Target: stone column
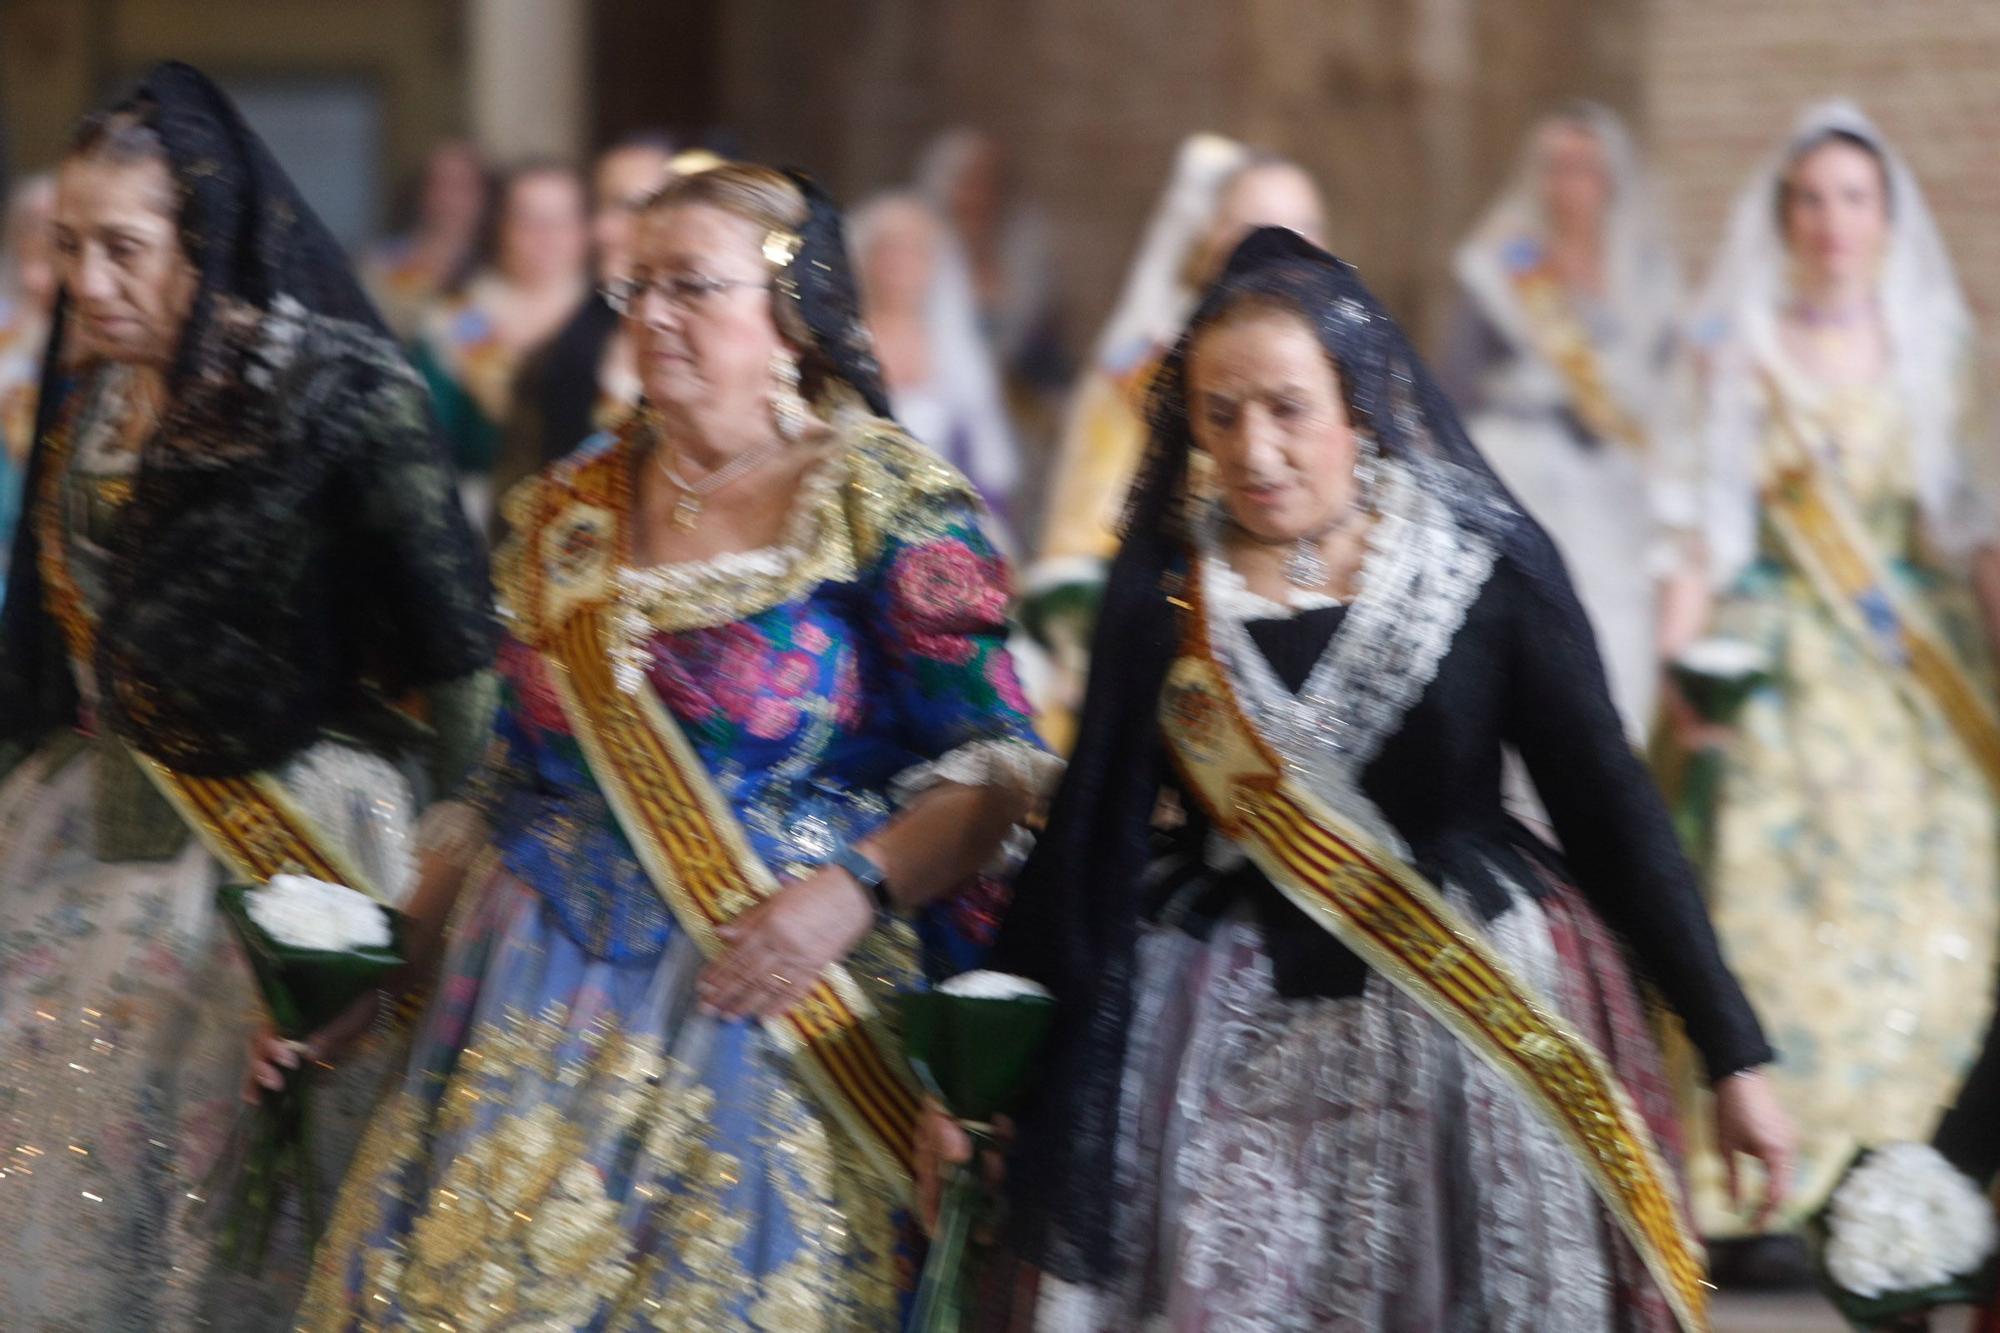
528	76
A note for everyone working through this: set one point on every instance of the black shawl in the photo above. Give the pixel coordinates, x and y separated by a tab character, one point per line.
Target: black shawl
293	549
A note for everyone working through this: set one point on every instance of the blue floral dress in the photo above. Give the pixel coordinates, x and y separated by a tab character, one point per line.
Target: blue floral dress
576	1145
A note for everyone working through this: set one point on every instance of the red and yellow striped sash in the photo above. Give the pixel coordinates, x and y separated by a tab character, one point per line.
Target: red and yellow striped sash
702	863
248	822
1402	926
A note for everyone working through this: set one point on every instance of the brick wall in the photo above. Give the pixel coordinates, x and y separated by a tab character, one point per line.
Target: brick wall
1408	110
1723	82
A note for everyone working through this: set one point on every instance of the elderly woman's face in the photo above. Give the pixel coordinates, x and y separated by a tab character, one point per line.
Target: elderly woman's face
702	323
119	254
1265	404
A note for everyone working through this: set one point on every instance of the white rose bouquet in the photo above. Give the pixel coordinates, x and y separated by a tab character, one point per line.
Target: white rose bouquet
315	949
1904	1231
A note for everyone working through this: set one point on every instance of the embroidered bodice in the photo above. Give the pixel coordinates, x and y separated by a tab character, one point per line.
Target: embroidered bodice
821	680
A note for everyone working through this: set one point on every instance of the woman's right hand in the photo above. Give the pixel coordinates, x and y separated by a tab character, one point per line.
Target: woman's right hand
942	1143
273	1058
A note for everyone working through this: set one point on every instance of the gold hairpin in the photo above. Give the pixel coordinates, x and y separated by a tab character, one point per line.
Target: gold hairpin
781	247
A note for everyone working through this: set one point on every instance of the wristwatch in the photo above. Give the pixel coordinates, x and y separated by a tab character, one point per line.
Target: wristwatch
870	876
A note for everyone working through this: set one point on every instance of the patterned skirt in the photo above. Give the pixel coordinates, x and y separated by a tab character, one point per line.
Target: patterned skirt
125	1016
1855	884
1345	1164
577	1146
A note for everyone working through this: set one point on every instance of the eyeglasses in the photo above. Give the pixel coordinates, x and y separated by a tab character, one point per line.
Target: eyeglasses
683	291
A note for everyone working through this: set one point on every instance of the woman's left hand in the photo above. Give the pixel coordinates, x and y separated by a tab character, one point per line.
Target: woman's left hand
778	948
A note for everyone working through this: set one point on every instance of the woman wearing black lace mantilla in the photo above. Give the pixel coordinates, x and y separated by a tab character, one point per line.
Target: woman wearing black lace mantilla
242	544
1344	1046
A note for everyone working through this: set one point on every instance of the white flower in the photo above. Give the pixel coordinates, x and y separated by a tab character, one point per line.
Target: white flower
1724	658
993	986
312	914
1903	1220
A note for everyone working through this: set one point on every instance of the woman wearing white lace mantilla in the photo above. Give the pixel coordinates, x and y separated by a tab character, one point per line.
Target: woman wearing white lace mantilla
1560	359
1842	527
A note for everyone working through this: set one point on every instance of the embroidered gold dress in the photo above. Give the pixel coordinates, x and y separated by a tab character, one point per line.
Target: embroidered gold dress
575	1145
1854	877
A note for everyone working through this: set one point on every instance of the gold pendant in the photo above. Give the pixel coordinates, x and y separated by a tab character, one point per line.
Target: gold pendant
686	510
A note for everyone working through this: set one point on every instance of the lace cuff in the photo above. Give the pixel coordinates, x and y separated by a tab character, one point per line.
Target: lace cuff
1006	762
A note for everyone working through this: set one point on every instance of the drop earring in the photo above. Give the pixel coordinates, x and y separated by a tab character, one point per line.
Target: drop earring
1367	471
788	406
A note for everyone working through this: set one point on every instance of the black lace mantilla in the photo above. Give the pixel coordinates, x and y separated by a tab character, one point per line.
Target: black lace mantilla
293	544
1521	671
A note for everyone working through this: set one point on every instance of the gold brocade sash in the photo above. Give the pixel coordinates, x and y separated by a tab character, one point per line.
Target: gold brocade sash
249	822
1826	540
1401	926
701	862
1553	328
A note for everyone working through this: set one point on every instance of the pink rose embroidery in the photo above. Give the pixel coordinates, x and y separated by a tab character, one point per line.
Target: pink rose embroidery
724	668
955	649
741	652
773	718
678	690
1000	675
794	674
811	638
946	585
847	691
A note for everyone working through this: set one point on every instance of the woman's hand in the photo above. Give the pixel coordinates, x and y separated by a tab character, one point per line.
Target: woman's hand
1749	1122
273	1057
778	948
942	1143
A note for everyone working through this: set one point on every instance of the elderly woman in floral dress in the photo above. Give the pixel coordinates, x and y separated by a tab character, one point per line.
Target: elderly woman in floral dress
760	734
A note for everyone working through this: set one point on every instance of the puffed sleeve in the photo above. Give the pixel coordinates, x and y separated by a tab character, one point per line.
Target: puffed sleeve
939	600
939	597
1613	824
